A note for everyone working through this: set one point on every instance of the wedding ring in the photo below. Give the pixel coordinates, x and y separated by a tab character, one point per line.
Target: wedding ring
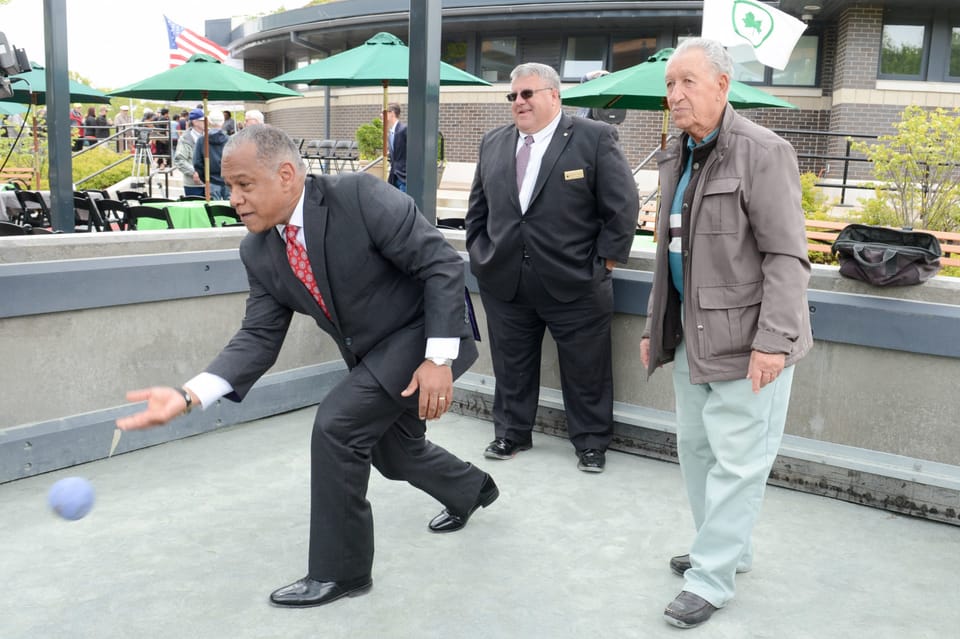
442	399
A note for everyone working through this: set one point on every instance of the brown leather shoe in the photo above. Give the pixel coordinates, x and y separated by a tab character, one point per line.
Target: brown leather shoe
688	610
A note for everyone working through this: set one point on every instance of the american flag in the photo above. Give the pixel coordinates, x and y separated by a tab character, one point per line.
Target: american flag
185	42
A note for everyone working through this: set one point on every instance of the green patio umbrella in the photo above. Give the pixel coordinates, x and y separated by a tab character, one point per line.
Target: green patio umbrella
382	60
12	108
642	87
30	87
202	77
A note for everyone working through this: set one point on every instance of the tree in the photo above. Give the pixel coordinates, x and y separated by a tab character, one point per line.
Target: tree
918	168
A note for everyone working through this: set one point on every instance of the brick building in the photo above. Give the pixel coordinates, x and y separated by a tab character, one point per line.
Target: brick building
854	69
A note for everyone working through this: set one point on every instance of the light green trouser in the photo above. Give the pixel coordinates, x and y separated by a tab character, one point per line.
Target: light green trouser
727	440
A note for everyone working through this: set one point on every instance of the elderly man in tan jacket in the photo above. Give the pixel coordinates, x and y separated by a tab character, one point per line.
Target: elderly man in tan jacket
729	308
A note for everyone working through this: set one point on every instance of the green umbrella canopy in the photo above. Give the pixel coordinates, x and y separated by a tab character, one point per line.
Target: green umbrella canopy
642	87
384	58
204	78
30	87
11	108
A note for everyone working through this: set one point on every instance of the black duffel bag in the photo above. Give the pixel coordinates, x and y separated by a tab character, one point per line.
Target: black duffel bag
887	257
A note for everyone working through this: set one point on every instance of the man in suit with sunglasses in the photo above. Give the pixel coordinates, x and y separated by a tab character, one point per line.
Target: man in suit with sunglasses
553	207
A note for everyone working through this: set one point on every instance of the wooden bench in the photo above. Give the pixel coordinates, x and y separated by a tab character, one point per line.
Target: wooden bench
822	233
17	174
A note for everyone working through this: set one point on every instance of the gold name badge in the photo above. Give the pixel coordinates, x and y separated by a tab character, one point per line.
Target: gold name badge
573	175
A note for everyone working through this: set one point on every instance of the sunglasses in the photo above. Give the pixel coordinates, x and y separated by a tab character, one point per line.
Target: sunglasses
526	94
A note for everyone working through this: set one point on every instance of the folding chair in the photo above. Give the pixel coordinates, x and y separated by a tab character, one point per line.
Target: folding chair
113	213
137	213
222	215
86	217
33	209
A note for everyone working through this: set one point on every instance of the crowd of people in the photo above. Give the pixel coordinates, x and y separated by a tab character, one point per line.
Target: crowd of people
553	208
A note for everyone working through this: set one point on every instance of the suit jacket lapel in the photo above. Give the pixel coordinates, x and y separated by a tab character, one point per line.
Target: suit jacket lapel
559	141
315	228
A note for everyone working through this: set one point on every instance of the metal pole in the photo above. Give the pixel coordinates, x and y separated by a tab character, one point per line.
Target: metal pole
846	169
423	108
58	115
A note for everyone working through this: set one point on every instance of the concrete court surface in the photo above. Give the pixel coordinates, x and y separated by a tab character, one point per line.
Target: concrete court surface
187	539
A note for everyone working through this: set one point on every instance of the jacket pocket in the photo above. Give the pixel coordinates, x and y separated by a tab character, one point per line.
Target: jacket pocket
719	207
727	319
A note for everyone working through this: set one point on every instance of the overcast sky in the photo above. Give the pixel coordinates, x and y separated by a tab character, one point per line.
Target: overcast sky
117	42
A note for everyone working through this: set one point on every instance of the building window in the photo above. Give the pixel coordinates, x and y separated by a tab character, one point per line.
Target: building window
498	57
955	52
627	52
454	53
902	51
801	70
584	54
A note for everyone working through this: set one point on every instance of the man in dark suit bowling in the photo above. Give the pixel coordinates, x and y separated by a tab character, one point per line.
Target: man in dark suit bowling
354	254
553	207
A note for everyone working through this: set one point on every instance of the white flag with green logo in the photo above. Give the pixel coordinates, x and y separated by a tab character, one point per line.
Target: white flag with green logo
771	33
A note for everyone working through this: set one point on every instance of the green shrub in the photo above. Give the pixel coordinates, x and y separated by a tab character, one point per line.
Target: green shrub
812	199
917	166
95	160
370	139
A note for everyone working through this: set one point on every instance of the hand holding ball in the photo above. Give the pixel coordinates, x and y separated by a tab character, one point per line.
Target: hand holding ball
71	497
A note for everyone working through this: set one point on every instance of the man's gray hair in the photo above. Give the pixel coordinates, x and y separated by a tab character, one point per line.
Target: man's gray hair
545	72
273	146
254	114
715	53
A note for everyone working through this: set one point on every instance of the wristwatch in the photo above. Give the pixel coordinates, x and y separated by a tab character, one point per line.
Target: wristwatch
441	361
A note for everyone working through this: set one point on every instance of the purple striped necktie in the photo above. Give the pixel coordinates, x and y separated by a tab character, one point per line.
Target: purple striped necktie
523	159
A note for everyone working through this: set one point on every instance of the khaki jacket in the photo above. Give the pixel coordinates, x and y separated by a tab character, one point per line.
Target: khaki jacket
746	267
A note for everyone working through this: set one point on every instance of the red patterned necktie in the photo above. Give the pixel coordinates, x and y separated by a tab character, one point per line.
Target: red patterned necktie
297	256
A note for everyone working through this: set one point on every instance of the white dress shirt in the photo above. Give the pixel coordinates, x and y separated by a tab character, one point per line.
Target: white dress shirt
541	140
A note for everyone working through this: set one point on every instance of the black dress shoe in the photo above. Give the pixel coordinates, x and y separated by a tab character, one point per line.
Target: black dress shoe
592	460
310	592
681	564
448	521
503	448
688	610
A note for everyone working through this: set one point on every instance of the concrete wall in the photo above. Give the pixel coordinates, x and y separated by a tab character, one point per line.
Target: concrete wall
84	318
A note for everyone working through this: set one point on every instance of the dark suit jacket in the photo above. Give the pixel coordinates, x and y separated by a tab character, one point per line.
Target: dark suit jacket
398	160
388	278
583	210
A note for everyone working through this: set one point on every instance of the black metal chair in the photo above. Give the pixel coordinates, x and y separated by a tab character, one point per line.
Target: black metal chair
130	196
137	213
8	229
456	223
33	209
191	198
346	152
311	153
155	200
113	213
222	215
86	217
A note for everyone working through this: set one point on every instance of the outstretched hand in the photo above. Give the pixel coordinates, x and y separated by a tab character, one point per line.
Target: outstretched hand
163	404
436	389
